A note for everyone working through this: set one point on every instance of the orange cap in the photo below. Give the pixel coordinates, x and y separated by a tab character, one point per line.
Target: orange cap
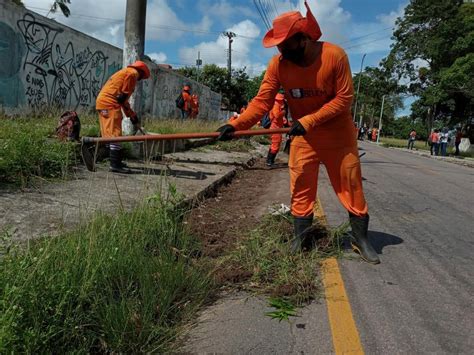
289	24
142	68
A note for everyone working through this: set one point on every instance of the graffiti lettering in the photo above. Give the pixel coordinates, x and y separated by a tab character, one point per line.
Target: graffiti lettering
60	76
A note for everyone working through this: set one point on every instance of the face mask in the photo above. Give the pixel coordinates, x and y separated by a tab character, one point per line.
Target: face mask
294	55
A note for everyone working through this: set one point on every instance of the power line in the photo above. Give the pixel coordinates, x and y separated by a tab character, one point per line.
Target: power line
364	43
152	26
367	35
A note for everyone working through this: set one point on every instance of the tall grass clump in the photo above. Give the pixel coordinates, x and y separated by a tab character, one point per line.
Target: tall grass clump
28	150
120	284
264	258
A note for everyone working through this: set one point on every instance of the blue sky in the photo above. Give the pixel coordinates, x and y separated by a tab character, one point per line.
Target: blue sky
177	30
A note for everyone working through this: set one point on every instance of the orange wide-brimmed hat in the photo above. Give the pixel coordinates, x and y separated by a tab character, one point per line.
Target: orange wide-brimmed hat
289	24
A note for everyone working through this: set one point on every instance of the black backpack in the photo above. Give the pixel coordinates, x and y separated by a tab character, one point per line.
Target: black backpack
180	101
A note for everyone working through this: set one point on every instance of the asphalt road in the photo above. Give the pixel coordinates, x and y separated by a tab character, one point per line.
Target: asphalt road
420	298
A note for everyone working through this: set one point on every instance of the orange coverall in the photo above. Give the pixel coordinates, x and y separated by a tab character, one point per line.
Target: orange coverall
320	97
188	101
195	106
277	115
110	111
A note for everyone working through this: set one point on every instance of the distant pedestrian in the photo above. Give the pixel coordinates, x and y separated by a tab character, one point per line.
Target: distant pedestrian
435	141
362	132
411	139
457	140
443	141
374	134
194	106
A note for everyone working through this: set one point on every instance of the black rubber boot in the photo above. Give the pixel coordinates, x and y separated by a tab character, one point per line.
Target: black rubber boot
271	158
360	241
301	224
116	165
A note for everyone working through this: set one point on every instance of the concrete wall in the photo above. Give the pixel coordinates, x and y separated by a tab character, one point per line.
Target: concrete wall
46	64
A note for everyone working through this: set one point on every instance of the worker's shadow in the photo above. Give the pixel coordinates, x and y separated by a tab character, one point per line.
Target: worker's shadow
378	240
181	174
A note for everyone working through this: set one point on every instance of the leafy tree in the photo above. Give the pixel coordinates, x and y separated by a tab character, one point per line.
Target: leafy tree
376	83
240	89
18	2
438	35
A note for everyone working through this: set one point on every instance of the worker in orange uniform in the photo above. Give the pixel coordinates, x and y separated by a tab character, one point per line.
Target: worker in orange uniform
112	99
194	106
277	117
188	101
374	134
317	81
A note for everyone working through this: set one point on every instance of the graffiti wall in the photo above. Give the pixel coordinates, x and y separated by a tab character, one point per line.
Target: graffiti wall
167	87
46	64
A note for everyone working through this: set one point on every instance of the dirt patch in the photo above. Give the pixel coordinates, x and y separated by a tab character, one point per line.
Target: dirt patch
238	207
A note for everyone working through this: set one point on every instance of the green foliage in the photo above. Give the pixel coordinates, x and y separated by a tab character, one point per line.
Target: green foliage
26	152
440	35
119	284
374	84
402	126
284	309
264	255
240	89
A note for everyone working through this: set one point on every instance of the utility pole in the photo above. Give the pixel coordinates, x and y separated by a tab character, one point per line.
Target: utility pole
229	35
380	119
134	45
198	64
358	86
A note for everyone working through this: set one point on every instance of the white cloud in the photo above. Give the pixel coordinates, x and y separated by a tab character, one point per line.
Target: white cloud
332	18
216	51
224	11
105	19
159	57
162	22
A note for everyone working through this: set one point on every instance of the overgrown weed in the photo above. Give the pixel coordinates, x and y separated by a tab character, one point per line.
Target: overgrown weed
266	265
119	284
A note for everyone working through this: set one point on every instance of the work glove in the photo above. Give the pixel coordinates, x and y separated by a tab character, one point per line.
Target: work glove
121	98
226	131
297	129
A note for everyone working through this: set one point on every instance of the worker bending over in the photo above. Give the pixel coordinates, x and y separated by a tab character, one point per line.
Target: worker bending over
317	81
112	99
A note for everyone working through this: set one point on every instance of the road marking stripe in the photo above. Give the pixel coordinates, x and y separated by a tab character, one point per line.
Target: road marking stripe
345	337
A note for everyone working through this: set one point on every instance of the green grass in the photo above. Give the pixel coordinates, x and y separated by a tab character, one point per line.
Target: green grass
121	284
421	145
30	150
236	145
263	255
181	126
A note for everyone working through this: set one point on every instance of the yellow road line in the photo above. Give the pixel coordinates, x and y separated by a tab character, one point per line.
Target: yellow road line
345	337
